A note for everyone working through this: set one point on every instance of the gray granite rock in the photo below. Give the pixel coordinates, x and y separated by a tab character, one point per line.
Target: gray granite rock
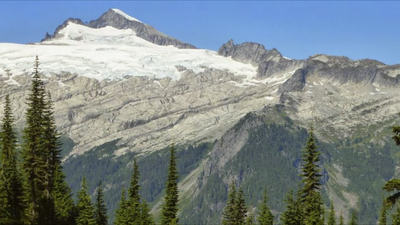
116	20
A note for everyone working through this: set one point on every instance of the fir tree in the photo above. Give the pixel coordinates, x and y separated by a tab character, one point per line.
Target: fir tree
250	217
63	203
393	184
122	216
311	198
34	157
100	208
341	220
10	177
265	216
134	198
228	216
240	208
332	219
353	220
383	213
170	207
396	217
293	215
145	216
85	209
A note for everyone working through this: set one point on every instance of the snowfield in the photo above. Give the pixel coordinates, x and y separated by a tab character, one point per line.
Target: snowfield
110	53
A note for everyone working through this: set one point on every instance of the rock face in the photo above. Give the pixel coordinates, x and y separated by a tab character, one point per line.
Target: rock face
115	19
335	68
145	113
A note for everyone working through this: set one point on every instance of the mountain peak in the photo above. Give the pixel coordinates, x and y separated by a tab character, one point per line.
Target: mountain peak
128	17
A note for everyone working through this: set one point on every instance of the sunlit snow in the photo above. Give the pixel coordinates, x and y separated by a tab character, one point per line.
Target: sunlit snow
110	53
126	15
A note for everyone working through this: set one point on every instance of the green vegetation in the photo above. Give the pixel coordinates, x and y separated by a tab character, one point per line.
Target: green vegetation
11	193
265	216
35	191
170	207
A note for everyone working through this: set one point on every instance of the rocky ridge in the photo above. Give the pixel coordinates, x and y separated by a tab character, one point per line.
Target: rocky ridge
117	19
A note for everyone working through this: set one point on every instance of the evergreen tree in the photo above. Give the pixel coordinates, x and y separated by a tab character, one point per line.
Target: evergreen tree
240	208
353	220
85	209
34	157
393	184
170	207
332	219
341	220
383	213
11	192
100	209
265	216
396	217
134	198
250	218
145	216
294	211
51	148
311	198
63	203
228	216
122	216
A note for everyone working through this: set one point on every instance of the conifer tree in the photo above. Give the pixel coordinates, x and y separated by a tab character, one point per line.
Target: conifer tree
85	209
62	196
122	216
34	157
383	213
396	217
341	220
133	192
294	212
100	207
311	198
393	184
240	208
145	216
265	216
228	216
353	220
250	217
170	206
11	190
332	219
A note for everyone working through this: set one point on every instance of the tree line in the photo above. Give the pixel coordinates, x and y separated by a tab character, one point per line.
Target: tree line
33	190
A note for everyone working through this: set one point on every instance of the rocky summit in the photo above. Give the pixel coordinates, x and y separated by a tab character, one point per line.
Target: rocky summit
118	80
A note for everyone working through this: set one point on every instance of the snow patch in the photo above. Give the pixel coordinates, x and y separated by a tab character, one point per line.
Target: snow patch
128	17
269	98
12	82
157	82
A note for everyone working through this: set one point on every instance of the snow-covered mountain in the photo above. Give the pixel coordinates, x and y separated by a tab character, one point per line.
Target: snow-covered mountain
117	79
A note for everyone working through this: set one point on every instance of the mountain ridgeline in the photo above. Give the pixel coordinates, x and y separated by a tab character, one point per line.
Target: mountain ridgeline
239	118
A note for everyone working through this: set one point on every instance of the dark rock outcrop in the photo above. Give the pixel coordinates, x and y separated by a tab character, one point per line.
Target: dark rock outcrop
295	83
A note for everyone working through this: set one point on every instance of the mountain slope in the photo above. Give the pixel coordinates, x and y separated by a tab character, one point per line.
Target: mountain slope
120	20
124	90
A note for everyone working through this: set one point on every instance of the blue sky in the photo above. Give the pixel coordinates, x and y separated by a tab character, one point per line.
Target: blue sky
357	29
